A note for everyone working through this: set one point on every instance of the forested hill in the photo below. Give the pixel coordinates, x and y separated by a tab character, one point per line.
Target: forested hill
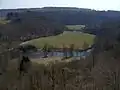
28	25
67	15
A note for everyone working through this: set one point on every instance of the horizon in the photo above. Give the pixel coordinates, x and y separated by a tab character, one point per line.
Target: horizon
91	4
53	7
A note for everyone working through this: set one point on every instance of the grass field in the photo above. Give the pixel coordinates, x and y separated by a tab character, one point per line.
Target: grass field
75	27
66	39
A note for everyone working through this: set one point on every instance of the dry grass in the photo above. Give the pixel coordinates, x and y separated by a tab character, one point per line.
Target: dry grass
54	59
56	74
3	21
48	75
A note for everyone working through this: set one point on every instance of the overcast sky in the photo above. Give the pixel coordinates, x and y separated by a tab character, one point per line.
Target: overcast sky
93	4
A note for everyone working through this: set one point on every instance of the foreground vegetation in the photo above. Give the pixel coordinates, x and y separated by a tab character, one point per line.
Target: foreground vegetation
55	74
3	21
66	39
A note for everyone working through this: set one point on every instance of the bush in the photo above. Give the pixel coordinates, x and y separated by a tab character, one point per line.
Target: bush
27	48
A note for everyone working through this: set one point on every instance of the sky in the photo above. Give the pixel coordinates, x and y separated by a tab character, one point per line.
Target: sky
92	4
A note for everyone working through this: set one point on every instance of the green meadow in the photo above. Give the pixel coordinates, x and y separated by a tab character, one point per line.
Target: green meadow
66	39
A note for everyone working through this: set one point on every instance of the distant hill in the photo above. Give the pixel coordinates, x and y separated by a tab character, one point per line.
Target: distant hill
51	20
69	15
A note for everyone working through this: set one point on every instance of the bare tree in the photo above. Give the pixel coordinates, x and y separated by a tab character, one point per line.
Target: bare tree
65	52
71	50
45	50
85	45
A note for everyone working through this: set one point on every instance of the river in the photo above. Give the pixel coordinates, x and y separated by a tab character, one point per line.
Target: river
40	54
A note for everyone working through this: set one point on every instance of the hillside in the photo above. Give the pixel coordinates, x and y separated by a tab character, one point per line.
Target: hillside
27	26
70	16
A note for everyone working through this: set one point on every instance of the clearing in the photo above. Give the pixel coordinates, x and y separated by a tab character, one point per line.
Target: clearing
75	27
66	39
